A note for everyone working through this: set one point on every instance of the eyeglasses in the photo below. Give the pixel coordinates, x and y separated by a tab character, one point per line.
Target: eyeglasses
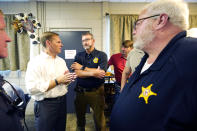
9	92
85	40
139	21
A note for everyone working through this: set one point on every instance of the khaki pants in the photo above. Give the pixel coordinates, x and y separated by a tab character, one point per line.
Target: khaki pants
96	100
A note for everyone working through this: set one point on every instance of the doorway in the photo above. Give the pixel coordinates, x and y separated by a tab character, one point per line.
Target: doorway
71	39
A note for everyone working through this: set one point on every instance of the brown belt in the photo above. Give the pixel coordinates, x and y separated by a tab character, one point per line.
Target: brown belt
83	89
54	99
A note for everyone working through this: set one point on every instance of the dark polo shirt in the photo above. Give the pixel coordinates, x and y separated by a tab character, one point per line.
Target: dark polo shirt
9	121
93	60
164	97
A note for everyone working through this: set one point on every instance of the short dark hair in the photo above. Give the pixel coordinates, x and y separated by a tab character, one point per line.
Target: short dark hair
47	36
88	33
127	43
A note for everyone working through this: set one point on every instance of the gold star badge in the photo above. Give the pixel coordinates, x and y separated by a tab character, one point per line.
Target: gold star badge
95	60
146	92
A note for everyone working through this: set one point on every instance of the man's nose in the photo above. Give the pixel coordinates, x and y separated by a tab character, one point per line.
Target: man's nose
123	50
134	31
8	38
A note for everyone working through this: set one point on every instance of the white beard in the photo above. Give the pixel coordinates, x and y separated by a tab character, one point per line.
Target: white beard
139	44
145	38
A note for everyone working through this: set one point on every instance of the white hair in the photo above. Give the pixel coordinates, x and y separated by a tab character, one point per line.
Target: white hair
177	10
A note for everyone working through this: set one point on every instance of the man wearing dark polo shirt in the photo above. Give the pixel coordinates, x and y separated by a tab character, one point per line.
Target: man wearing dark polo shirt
161	93
118	61
90	66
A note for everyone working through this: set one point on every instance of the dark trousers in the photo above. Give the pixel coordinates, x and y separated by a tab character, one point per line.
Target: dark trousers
95	99
50	114
117	90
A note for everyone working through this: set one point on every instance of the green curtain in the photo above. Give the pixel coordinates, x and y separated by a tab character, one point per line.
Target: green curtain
18	48
192	21
121	28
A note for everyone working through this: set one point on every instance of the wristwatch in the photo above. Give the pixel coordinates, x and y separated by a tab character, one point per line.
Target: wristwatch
56	82
82	68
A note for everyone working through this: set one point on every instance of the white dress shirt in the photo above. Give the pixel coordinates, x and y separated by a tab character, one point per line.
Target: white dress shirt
40	71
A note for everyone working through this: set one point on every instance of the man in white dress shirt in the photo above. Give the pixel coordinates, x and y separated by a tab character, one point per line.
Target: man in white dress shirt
47	77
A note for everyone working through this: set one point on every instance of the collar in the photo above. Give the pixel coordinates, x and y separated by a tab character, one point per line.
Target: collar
45	55
161	59
166	52
91	53
121	56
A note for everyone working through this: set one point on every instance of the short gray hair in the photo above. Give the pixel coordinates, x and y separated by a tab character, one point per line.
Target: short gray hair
177	10
88	33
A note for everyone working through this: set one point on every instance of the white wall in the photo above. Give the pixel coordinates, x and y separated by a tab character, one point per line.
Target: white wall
76	15
125	8
18	7
193	8
134	8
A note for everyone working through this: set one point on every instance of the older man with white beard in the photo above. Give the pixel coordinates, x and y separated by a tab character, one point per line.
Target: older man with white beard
161	94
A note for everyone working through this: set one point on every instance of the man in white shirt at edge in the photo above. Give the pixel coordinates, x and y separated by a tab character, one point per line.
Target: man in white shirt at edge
47	77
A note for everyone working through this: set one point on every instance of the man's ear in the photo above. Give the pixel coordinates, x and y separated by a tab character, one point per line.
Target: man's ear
48	43
93	40
161	21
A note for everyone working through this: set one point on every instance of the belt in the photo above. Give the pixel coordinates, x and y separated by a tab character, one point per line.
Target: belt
83	89
54	99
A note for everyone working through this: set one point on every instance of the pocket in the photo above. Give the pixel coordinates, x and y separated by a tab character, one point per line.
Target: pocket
101	97
101	90
36	109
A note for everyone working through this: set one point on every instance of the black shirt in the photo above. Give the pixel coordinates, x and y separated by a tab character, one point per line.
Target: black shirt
162	98
9	121
93	60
